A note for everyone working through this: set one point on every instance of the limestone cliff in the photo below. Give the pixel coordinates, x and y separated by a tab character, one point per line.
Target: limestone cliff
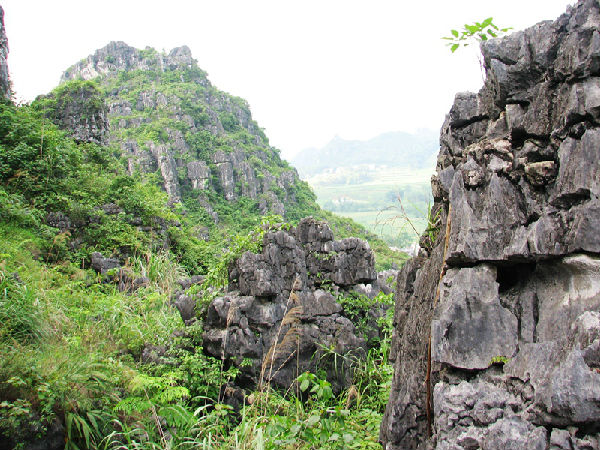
167	118
5	91
497	338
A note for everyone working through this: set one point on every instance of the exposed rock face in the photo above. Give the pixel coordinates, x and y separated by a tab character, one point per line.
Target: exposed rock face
4	78
5	90
283	295
169	119
515	329
80	110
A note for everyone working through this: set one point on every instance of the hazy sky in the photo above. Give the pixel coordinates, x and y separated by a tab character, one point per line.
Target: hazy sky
310	69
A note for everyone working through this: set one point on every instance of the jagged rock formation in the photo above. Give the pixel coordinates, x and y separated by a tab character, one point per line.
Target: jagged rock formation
5	90
284	295
168	118
515	328
80	110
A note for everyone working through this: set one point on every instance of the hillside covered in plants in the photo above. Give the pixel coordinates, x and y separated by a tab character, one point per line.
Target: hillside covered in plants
127	197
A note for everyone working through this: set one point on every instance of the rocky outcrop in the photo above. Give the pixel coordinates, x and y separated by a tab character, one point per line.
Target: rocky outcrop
5	90
281	316
497	326
79	109
120	56
168	118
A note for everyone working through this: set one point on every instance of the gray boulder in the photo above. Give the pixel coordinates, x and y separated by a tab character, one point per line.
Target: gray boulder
280	317
102	265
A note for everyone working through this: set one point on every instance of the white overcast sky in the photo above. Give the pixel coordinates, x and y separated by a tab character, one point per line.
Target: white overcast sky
310	69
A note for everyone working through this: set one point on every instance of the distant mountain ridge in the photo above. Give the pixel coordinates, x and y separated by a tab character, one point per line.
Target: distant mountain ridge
393	149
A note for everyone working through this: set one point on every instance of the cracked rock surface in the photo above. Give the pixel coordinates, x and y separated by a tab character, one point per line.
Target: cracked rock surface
514	322
285	295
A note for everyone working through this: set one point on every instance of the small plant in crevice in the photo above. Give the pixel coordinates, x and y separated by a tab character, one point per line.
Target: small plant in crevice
475	33
357	307
434	223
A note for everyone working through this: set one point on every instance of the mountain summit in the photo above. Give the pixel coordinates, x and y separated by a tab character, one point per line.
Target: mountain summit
167	118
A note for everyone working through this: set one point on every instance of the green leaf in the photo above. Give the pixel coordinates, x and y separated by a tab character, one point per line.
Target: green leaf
348	438
492	34
454	33
86	433
487	22
312	420
304	385
454	47
93	421
483	37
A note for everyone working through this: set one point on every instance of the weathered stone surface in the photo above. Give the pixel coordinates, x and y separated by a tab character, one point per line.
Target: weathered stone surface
515	328
199	174
472	327
102	265
168	169
59	220
278	312
479	414
81	111
5	90
404	424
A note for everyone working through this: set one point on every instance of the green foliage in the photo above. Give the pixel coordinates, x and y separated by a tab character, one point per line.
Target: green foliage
432	230
85	96
20	318
476	32
114	367
356	307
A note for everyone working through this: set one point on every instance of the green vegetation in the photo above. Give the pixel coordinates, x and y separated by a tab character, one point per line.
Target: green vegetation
111	366
477	32
393	205
501	360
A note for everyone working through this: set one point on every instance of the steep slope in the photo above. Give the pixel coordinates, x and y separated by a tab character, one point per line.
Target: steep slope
96	264
168	119
497	327
160	115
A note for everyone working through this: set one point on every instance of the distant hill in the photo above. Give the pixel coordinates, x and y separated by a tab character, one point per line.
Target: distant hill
393	149
382	183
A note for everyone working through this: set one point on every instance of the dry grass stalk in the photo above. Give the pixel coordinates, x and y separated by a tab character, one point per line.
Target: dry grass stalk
353	394
291	340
